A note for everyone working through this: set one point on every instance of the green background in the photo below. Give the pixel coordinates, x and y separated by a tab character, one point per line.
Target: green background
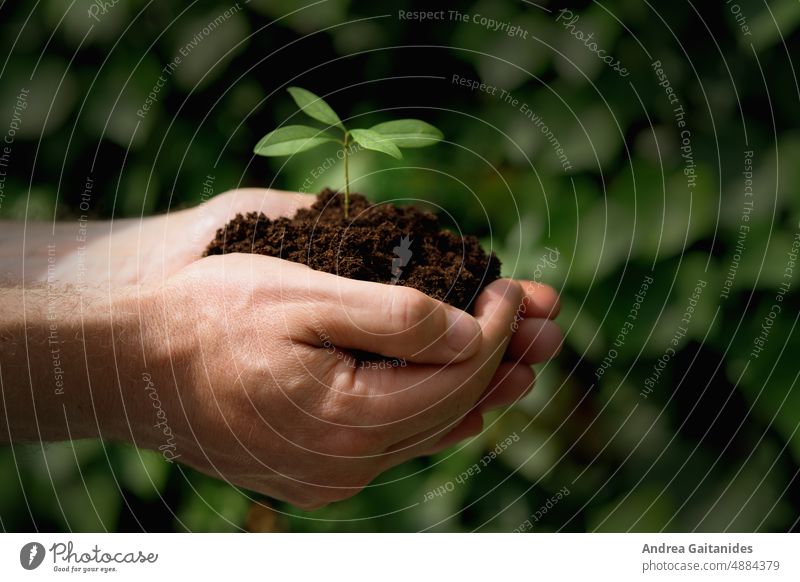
714	447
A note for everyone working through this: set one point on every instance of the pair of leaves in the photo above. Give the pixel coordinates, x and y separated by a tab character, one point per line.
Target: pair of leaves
386	137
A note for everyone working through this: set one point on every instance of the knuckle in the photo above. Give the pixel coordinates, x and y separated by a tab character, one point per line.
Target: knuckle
343	406
408	307
390	399
374	389
544	295
515	291
555	302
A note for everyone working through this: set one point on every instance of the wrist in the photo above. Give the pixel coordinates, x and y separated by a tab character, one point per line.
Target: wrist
158	351
115	363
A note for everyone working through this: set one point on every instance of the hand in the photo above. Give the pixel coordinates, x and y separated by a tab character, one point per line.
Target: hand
536	337
152	249
149	250
250	364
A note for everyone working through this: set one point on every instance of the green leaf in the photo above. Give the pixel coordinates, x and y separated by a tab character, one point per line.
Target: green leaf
315	106
409	133
290	140
372	140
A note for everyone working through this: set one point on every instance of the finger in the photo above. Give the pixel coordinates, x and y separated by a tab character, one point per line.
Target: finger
540	300
436	439
535	341
419	397
495	310
510	383
394	321
471	426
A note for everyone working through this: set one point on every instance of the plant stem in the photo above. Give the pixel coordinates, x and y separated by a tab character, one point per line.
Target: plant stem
346	178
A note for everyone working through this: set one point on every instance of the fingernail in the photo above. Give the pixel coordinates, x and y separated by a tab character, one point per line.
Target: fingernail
462	329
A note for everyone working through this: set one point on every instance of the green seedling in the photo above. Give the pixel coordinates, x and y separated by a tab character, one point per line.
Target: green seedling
388	137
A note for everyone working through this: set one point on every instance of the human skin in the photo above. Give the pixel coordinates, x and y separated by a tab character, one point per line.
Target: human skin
136	313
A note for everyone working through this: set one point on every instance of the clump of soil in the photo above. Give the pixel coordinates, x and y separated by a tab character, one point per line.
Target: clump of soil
382	243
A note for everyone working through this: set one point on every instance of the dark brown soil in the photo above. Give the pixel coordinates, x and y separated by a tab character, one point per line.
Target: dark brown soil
378	242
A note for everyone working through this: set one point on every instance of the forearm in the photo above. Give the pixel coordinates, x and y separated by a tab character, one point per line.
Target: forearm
86	253
128	252
26	246
67	363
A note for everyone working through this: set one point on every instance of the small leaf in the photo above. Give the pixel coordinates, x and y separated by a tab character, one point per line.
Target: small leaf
409	133
290	140
315	106
372	140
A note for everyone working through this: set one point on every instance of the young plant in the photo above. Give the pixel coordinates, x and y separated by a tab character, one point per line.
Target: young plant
387	137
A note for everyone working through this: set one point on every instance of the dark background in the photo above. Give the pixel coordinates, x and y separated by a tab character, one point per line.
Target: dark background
714	447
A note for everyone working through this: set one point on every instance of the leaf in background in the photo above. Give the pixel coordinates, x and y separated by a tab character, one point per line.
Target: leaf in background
312	18
773	23
290	140
206	61
645	509
212	506
372	140
315	106
143	472
408	133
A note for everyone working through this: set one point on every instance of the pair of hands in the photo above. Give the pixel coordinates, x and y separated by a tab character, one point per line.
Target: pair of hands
245	354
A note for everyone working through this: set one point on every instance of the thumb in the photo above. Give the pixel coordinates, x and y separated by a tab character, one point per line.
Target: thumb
396	321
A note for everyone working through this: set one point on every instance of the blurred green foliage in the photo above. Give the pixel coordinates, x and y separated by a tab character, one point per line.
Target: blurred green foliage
715	446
